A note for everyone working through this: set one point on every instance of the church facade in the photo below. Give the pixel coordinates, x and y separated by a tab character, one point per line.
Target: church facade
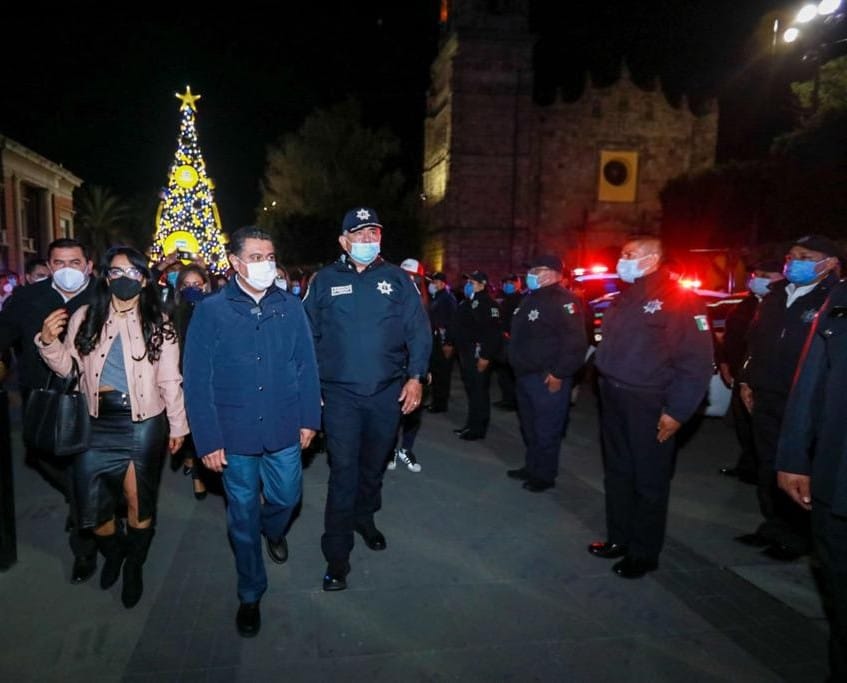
505	178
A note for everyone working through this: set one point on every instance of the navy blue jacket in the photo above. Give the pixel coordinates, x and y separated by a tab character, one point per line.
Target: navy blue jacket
442	308
656	336
813	439
249	372
548	334
370	328
776	336
476	329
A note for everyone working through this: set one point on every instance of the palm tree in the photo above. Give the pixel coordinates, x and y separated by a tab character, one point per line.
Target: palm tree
102	218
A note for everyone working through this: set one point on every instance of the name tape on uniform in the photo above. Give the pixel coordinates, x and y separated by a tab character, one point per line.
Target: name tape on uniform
346	289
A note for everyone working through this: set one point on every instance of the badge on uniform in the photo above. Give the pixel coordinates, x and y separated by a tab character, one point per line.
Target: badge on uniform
495	312
344	289
569	308
384	287
653	306
809	315
702	323
474	303
533	315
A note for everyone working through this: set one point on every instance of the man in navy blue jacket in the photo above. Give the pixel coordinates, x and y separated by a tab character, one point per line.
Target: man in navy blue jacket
253	400
373	343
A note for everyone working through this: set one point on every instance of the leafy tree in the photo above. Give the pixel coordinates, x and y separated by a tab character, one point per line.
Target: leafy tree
331	164
102	218
832	93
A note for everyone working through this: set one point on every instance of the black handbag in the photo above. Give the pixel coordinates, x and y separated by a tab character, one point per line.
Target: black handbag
56	420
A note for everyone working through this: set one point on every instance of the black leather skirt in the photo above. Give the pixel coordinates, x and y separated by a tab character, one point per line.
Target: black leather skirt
117	441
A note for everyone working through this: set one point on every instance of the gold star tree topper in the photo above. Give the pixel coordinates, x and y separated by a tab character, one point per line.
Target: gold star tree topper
188	99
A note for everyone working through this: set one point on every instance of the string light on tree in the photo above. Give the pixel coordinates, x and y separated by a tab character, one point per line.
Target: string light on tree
187	218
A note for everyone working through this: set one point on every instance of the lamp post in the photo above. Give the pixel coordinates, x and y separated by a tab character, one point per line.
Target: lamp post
814	30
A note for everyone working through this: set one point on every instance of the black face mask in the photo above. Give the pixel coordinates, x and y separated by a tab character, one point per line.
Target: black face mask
125	288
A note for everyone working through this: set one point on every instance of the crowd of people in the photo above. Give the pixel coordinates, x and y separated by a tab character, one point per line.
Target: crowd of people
235	376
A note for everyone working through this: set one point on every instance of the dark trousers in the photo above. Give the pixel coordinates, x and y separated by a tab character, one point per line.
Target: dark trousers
543	417
747	461
477	387
638	469
58	472
506	382
410	425
785	522
830	539
442	371
360	430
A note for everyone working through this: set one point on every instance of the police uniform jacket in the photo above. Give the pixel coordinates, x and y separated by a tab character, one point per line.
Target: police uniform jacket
548	334
370	328
814	441
476	325
249	372
734	348
508	306
21	319
442	308
777	335
656	337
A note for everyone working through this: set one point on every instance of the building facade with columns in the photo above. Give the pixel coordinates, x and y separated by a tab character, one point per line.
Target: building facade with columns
36	204
505	178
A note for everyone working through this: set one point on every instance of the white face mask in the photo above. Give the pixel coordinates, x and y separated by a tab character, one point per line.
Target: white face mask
70	279
282	284
260	275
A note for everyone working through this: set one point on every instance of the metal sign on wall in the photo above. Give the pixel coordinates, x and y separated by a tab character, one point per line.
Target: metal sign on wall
618	179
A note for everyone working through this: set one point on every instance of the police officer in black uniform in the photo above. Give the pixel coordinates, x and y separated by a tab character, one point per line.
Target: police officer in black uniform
70	287
812	459
442	308
775	343
373	344
512	297
547	348
476	333
655	363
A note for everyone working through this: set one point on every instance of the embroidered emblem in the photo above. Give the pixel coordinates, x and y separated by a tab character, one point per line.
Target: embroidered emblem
363	214
383	286
533	315
345	289
495	312
702	323
808	316
474	303
652	306
569	308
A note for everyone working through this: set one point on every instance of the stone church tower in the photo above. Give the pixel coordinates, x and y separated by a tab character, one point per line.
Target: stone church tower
505	179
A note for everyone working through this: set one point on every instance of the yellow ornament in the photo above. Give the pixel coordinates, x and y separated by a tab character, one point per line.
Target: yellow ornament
181	240
188	99
186	176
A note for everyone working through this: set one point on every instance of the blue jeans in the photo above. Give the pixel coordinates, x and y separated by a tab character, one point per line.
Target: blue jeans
278	477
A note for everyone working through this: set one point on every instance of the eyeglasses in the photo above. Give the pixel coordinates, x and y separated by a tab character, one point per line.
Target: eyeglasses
132	273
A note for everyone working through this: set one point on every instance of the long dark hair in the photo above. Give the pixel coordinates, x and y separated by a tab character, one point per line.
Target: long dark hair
154	327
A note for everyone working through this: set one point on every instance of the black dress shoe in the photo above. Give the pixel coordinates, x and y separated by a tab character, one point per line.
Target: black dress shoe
433	409
633	568
278	550
335	578
84	568
468	435
783	553
538	485
506	405
460	431
521	473
607	550
248	620
728	471
373	537
754	540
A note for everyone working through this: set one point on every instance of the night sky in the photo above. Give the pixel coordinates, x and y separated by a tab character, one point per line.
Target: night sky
95	92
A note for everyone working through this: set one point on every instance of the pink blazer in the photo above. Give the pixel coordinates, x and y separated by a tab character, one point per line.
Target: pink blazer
153	387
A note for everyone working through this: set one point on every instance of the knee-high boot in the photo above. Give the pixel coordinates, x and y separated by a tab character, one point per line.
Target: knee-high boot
137	545
112	548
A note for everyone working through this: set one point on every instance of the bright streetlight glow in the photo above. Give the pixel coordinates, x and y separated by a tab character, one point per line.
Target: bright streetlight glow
828	6
806	14
791	35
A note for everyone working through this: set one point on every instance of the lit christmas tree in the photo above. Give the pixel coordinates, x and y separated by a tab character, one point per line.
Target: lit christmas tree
187	219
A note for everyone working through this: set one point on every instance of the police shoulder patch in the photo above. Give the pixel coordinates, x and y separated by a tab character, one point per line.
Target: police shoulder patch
570	309
495	312
702	323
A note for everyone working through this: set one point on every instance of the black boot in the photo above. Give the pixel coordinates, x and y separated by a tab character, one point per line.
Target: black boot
137	545
112	548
